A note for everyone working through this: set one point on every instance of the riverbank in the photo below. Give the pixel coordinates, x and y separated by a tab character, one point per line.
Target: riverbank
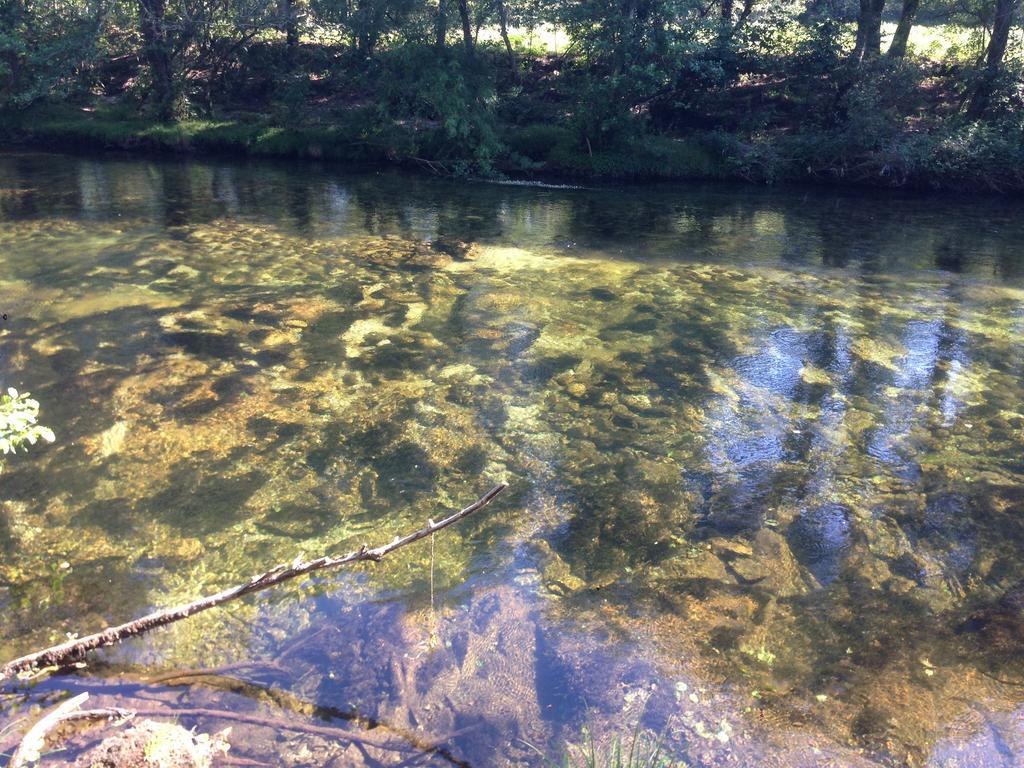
971	159
541	150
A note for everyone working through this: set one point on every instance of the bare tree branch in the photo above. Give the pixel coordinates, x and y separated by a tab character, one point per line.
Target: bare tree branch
72	651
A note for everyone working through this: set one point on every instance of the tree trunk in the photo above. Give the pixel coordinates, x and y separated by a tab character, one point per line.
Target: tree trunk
157	52
725	30
658	31
368	26
467	26
291	26
10	19
503	26
869	30
748	6
441	24
898	46
1006	10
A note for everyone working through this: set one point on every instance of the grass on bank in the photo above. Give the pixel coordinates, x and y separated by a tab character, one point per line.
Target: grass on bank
71	128
538	149
959	157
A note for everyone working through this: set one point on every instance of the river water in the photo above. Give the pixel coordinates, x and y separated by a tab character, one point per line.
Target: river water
763	447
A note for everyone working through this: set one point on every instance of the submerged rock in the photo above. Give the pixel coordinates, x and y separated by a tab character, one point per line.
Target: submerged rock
771	567
149	744
819	537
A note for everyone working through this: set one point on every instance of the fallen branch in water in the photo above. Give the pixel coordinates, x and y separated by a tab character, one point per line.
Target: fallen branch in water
183	674
32	745
415	742
72	651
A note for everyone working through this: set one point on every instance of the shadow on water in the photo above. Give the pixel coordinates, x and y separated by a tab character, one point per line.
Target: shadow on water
763	451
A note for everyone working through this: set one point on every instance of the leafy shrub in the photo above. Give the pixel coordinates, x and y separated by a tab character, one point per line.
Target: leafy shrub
874	108
750	160
537	142
651	157
18	415
607	114
292	94
449	101
977	156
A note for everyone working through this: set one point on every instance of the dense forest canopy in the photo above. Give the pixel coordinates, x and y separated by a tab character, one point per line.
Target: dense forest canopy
888	92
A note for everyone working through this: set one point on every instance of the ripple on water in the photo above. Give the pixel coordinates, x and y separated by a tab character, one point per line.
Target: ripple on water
791	488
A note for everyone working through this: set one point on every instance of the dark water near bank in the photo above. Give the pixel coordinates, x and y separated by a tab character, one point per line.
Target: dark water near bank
764	452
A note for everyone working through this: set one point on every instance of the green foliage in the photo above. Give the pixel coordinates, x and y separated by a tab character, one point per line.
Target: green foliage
765	90
367	22
358	139
449	101
642	751
650	157
292	97
821	49
18	423
43	47
538	142
604	114
970	156
976	156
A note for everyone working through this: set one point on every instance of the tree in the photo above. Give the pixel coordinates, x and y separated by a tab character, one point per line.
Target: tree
218	32
1006	12
290	20
467	26
869	30
503	28
900	38
156	50
46	45
441	24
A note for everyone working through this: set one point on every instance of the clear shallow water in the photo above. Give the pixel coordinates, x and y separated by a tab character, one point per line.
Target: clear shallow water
764	455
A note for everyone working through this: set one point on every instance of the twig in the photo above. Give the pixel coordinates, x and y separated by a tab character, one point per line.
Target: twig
299	643
181	674
434	165
74	650
34	742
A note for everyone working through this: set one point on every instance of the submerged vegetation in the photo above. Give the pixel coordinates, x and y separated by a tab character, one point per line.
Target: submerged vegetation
870	92
638	749
763	464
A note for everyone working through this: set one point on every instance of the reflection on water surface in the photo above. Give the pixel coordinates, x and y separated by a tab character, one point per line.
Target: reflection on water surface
763	448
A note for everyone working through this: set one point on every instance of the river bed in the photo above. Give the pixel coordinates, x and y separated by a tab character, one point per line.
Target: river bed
763	448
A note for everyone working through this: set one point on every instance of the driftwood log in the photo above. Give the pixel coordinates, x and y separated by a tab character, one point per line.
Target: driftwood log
74	651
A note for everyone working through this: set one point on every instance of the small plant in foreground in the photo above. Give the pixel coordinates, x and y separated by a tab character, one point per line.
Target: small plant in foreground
644	750
18	414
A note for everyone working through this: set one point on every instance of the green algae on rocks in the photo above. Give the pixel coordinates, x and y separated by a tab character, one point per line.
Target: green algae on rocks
734	464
